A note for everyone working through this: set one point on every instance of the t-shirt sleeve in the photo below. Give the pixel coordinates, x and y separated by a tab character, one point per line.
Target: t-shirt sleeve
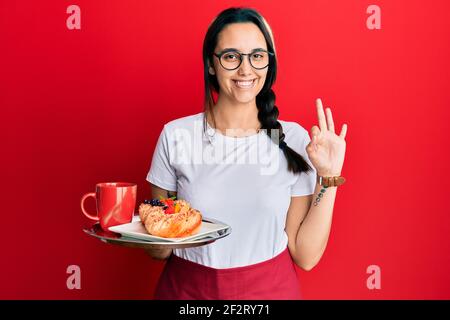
306	182
162	173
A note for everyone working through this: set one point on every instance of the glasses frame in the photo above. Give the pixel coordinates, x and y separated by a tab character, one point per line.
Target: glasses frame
220	54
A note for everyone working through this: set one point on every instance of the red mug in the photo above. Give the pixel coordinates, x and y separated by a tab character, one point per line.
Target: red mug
115	201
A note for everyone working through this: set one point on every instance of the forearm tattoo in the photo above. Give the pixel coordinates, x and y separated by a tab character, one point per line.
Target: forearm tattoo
320	195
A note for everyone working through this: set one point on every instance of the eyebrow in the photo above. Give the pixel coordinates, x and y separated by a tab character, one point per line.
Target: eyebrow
234	49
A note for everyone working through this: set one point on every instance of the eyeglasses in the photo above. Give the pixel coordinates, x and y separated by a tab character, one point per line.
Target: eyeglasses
232	59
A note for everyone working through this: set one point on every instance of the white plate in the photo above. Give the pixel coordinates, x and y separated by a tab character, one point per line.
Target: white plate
136	229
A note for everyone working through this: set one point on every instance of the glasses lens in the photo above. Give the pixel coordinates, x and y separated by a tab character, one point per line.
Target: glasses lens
259	59
230	60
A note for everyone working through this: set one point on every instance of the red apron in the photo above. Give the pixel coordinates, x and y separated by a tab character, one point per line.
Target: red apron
273	279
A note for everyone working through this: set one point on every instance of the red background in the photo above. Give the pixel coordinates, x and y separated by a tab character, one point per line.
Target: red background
84	106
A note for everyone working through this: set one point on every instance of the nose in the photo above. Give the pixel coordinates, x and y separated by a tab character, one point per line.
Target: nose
245	68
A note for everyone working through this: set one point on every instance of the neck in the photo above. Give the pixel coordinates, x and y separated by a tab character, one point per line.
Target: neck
229	115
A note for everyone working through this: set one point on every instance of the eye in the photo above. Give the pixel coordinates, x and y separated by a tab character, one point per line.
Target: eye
230	56
258	55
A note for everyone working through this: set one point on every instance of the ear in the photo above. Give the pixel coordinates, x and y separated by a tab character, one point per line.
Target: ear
211	69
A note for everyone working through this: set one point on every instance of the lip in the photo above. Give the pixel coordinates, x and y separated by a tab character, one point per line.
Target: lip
245	88
243	79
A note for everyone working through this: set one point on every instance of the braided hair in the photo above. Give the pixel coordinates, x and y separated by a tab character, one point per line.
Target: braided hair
265	100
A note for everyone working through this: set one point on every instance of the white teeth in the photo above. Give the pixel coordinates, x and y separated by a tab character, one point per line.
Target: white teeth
244	84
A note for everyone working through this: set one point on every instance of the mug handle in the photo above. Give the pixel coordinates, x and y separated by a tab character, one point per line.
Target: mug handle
87	195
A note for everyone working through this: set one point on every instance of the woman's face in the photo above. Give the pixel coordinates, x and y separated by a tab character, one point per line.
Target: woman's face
245	37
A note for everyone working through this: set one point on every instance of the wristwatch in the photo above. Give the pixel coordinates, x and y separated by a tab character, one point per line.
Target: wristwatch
330	181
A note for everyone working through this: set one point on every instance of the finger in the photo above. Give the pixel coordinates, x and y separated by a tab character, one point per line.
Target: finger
321	115
312	146
330	121
315	141
315	131
343	131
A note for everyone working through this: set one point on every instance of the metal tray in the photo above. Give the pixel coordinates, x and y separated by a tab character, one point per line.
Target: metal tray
96	231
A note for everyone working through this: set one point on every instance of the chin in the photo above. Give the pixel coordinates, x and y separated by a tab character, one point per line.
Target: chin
247	99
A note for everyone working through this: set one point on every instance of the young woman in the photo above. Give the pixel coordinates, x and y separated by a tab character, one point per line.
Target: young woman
238	163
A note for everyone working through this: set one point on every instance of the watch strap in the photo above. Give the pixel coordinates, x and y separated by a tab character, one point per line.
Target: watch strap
330	181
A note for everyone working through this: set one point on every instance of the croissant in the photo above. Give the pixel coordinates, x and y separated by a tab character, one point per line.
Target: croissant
186	222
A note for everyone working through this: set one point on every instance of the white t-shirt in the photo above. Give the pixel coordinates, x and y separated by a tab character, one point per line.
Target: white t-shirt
242	181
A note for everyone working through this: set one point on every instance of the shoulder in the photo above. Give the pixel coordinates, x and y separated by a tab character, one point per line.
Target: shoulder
293	130
188	123
296	136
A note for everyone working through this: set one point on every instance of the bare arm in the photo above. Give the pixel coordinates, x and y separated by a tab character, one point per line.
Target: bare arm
160	254
308	227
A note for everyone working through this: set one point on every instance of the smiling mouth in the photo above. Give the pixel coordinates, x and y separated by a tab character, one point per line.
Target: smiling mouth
245	84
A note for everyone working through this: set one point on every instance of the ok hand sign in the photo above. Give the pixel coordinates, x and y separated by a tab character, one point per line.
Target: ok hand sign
326	149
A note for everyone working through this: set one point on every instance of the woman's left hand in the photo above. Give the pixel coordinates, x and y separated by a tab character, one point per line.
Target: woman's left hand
326	149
